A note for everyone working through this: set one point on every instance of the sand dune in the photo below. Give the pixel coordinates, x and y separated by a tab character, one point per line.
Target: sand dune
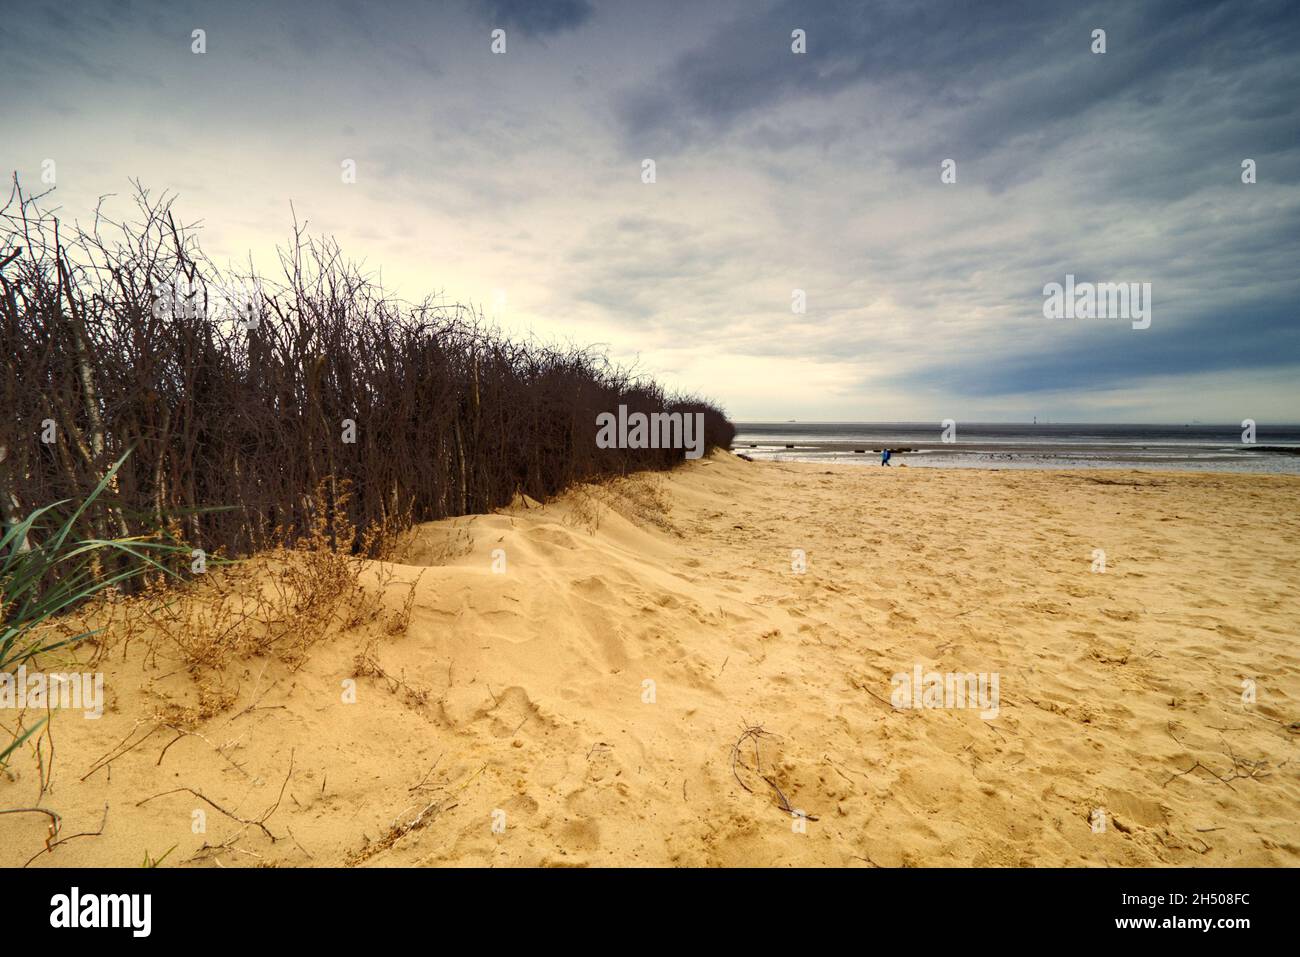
513	724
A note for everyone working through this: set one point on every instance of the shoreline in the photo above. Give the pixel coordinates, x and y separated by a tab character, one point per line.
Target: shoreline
1212	448
1262	462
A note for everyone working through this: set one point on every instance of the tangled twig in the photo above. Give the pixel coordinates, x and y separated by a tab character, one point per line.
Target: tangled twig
755	733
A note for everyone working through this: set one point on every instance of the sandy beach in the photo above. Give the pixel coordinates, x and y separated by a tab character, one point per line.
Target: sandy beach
638	674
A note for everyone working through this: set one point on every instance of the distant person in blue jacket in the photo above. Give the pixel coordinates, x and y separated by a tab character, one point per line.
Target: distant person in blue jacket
884	458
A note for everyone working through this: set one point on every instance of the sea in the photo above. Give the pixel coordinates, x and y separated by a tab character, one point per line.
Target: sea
1009	445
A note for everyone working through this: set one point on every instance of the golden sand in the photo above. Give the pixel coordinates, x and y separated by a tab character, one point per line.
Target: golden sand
584	705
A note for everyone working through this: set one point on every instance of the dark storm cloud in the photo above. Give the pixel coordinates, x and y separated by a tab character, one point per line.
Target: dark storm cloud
535	17
1255	337
1235	307
1004	69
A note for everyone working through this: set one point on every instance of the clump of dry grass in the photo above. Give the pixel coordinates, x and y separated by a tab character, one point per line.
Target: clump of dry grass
212	697
367	665
278	605
430	545
641	498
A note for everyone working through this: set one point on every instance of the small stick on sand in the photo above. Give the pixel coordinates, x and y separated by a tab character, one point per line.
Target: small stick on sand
754	733
119	750
1198	764
49	847
259	822
182	733
203	797
300	847
751	731
426	776
56	822
887	704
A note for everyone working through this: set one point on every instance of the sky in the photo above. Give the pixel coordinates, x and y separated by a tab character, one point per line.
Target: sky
515	181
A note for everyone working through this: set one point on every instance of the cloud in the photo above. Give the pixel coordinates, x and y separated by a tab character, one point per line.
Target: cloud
535	17
776	171
969	79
